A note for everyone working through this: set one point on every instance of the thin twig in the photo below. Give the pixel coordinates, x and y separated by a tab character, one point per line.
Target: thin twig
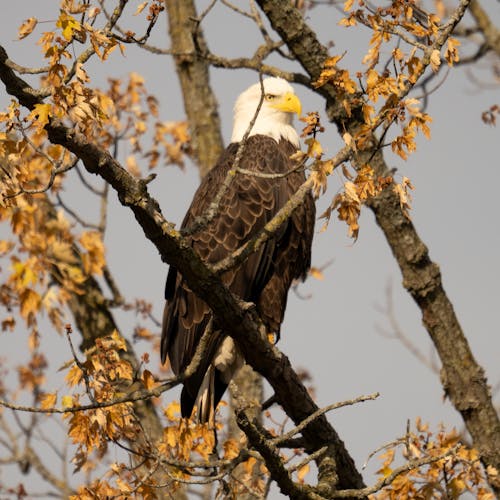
322	411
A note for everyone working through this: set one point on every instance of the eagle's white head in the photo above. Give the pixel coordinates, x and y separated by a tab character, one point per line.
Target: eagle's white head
276	113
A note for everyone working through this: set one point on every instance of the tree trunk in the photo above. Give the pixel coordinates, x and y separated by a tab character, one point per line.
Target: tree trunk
199	100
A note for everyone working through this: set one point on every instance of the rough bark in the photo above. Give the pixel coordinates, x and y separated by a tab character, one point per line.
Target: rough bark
250	386
490	32
186	38
462	377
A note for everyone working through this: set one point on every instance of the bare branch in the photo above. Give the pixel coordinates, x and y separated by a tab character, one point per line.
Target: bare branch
360	399
398	333
22	70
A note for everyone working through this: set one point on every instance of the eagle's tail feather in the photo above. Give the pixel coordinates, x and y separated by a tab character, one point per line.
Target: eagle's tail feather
205	400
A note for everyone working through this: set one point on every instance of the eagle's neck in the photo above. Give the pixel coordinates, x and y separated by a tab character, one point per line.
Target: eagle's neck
276	125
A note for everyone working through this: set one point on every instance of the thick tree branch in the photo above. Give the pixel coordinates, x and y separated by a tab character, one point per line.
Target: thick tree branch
490	32
462	377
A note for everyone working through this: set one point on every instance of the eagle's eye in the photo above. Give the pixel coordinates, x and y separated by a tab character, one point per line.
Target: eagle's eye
270	97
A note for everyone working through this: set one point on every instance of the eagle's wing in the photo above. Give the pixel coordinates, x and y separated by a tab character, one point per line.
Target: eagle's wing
248	204
292	256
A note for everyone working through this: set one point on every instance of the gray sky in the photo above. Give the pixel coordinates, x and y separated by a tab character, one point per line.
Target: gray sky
334	333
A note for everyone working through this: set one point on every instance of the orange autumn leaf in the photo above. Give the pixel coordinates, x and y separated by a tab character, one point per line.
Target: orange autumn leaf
27	27
48	401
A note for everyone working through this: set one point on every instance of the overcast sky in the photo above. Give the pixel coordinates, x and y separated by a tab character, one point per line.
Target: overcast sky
334	333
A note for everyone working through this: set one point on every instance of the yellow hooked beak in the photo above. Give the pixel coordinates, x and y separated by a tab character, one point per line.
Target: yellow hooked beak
289	103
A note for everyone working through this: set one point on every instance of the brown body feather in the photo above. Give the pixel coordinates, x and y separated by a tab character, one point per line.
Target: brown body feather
264	278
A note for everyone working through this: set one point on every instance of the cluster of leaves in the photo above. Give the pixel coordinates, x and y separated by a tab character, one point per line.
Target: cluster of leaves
458	473
357	190
104	116
359	186
380	90
380	93
48	261
52	251
184	452
50	254
102	378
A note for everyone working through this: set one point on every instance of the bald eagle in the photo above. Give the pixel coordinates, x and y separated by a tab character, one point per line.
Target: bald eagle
247	205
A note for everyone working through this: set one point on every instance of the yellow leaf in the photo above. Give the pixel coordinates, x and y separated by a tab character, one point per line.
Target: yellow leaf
172	411
124	488
316	273
348	21
27	27
456	487
48	401
314	149
231	449
148	379
492	472
171	436
74	376
208	442
24	274
119	341
435	60
249	465
40	115
351	192
302	473
451	53
404	196
80	73
99	417
68	24
93	260
62	251
67	402
348	5
140	8
74	273
368	111
30	302
5	247
385	471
